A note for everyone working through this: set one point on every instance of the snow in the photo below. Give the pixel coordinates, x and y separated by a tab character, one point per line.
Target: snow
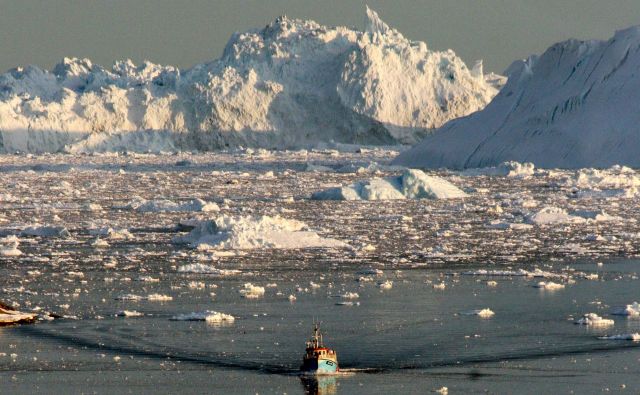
293	83
630	310
594	319
230	232
412	184
571	107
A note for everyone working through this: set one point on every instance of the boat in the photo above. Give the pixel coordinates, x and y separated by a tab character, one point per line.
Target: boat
319	359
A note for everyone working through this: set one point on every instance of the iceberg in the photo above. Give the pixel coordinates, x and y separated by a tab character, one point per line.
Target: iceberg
290	84
574	106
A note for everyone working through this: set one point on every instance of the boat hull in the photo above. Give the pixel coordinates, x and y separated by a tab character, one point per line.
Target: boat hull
320	366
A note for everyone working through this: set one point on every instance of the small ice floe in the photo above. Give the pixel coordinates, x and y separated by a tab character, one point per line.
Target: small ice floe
229	232
9	246
627	336
212	317
206	269
482	313
99	243
505	169
412	184
349	295
10	316
630	310
442	391
516	273
492	283
155	206
45	231
593	319
111	233
150	297
347	303
386	284
553	216
251	291
503	225
196	285
440	286
548	286
292	298
370	272
129	313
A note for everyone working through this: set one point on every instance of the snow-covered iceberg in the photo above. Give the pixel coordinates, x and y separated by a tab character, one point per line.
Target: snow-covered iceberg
572	107
228	232
293	83
412	184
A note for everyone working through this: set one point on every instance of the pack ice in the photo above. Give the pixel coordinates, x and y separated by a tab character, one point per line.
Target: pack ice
574	106
293	83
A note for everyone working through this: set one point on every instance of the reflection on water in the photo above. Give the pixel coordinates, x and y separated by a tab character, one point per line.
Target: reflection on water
319	385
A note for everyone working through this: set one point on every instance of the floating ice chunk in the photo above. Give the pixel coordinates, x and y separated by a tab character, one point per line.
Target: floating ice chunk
129	313
99	243
554	215
9	246
206	269
492	283
9	316
505	169
483	313
412	184
594	319
370	272
45	231
629	336
251	291
227	232
440	286
151	297
549	286
516	273
112	233
630	310
154	206
212	317
385	285
349	295
499	224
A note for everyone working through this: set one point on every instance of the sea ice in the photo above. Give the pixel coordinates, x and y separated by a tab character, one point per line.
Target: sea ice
594	319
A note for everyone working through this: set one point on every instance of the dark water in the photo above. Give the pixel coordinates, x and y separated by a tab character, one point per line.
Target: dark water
409	339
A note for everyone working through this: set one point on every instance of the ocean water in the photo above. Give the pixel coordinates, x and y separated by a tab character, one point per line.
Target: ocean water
415	337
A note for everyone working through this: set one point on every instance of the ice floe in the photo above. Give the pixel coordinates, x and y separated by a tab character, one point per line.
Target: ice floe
505	169
628	336
412	184
230	232
212	317
630	310
251	291
155	206
594	319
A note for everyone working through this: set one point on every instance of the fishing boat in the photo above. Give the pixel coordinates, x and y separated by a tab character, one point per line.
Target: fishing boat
319	359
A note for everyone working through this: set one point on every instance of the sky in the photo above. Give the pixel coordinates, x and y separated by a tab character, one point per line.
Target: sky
187	32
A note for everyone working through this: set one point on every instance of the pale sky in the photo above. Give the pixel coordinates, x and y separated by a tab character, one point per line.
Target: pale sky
186	32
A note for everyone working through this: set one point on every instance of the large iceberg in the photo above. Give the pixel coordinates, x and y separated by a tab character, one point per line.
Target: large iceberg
293	83
574	106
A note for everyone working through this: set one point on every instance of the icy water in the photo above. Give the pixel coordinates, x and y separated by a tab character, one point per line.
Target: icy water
416	335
